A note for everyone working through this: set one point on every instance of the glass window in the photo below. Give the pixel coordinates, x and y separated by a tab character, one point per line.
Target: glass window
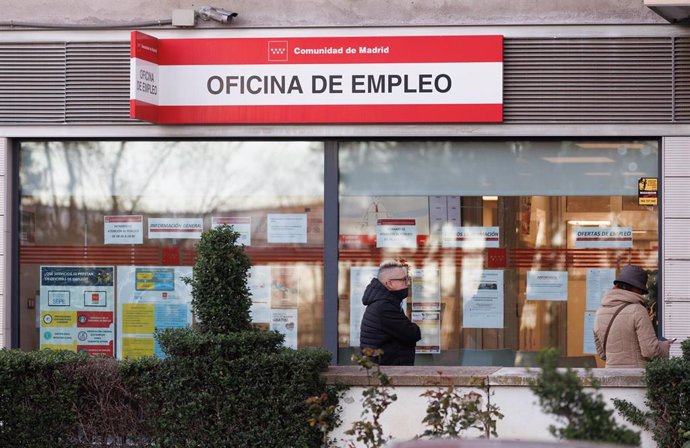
510	243
109	227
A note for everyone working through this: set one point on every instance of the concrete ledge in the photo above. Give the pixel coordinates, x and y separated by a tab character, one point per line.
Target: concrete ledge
414	376
476	376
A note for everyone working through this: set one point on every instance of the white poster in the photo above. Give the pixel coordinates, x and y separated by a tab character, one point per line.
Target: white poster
242	225
470	237
603	237
438	213
286	228
454	214
76	308
150	298
547	285
360	277
599	281
396	233
176	228
426	290
430	326
588	345
284	321
123	229
482	298
259	284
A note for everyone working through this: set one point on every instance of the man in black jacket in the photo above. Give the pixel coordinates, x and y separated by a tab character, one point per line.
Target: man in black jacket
384	325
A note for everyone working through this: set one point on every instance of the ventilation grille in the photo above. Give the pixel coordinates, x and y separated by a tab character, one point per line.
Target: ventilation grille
97	82
32	83
587	80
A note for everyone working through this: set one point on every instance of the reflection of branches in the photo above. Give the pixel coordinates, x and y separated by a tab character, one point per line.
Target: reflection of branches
159	161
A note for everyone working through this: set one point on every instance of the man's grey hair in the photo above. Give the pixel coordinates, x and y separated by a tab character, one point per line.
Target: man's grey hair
386	268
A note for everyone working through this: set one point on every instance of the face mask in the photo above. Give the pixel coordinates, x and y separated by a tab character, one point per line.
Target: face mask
400	294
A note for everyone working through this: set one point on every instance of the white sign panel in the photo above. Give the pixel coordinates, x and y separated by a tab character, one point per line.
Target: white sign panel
588	345
426	290
123	229
284	321
599	281
470	237
176	228
396	233
547	285
603	237
482	297
287	228
239	224
259	284
430	326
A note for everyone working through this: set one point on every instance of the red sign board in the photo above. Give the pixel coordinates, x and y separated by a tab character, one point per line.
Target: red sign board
355	79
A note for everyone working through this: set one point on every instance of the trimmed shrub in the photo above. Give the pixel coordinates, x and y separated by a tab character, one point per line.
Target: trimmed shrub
583	415
187	342
249	401
668	400
220	296
37	397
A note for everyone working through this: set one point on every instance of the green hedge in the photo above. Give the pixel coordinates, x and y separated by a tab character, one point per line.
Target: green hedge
668	399
61	399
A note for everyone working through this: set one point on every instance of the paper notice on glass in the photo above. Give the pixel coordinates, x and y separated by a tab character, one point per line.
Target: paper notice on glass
76	306
482	297
438	213
259	284
430	326
242	225
603	237
470	237
150	298
177	228
360	277
426	290
284	287
547	285
396	233
454	215
123	229
285	323
599	281
287	228
588	338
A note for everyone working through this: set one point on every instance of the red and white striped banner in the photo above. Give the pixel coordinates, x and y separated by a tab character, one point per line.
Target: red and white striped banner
382	79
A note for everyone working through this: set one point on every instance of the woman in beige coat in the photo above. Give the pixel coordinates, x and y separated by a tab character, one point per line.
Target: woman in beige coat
631	339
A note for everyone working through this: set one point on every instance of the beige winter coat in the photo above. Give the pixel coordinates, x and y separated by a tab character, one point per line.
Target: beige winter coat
632	341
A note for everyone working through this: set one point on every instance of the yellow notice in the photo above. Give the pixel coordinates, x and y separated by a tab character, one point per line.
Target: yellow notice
138	318
58	318
69	347
137	347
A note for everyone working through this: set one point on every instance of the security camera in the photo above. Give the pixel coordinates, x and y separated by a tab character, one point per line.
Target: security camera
218	14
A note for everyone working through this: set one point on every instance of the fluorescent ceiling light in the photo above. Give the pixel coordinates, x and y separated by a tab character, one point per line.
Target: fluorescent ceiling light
608	145
576	222
490	198
578	159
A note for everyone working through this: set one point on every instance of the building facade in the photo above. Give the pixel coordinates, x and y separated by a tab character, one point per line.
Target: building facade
512	223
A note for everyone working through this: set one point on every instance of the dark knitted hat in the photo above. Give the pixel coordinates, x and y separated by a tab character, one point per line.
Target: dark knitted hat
633	276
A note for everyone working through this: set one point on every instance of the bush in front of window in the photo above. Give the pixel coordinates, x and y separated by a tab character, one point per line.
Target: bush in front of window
668	400
220	296
223	382
582	415
36	398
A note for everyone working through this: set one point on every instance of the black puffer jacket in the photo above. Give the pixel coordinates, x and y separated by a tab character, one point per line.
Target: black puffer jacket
385	326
